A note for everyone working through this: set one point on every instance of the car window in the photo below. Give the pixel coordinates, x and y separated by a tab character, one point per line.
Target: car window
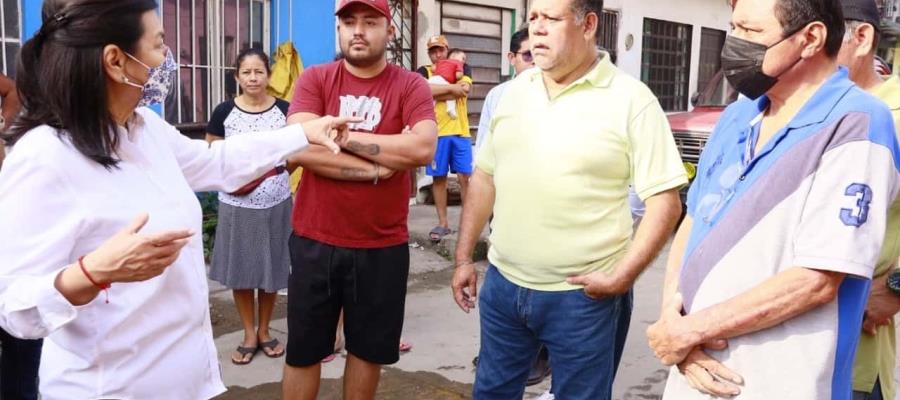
717	93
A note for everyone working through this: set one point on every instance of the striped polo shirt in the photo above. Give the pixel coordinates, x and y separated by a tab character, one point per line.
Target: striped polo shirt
816	195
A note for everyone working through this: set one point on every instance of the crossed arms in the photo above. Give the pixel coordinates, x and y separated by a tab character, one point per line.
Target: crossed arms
367	155
681	340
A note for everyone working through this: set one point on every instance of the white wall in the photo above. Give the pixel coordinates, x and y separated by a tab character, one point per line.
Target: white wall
714	14
699	13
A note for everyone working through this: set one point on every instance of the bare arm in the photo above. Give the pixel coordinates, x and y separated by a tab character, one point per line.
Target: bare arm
663	210
323	162
479	204
447	92
455	91
676	256
778	299
397	152
477	209
10	96
782	297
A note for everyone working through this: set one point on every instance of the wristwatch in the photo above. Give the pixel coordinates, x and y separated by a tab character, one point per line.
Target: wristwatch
893	282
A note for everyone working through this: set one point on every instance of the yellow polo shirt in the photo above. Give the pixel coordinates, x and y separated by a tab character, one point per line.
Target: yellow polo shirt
448	126
877	355
562	167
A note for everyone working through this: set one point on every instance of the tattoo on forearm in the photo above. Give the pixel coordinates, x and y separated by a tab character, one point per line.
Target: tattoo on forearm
354	173
370	149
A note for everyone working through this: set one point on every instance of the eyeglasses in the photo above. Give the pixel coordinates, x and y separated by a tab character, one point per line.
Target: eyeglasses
526	56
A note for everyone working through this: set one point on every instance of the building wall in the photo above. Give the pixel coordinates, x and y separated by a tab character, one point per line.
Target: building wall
310	24
714	14
429	24
31	18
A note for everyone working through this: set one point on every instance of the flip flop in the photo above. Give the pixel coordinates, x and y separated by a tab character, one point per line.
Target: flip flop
243	351
329	358
405	347
438	233
271	345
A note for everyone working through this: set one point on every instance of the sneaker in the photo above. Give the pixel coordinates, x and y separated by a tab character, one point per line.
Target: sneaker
541	368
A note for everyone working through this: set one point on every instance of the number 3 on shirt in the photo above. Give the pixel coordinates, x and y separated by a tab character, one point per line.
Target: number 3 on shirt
858	215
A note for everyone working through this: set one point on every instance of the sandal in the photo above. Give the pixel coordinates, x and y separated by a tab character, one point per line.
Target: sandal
271	345
329	358
438	233
405	347
244	351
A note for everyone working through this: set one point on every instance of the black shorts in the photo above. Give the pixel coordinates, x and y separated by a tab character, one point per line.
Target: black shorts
369	285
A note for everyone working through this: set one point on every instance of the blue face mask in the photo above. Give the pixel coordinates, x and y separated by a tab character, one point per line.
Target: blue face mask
159	80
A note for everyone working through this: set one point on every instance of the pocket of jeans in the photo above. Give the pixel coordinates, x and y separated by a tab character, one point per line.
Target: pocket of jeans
587	296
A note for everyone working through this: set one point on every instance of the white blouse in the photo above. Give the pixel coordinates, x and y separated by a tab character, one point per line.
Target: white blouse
153	340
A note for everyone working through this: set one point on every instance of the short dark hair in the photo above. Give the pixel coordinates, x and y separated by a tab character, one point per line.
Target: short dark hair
795	14
60	74
253	51
455	51
582	8
521	35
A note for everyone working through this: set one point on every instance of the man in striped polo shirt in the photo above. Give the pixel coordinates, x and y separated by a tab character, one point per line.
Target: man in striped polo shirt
785	219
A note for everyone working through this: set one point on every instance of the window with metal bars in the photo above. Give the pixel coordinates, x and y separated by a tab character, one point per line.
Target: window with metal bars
401	50
205	37
666	62
609	32
10	35
711	43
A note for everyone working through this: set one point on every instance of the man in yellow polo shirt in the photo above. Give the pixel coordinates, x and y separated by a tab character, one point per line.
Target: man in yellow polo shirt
565	142
873	369
454	147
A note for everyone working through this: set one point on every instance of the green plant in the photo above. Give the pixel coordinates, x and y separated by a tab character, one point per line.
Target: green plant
209	202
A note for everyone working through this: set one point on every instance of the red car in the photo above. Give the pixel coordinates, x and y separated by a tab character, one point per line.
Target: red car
692	129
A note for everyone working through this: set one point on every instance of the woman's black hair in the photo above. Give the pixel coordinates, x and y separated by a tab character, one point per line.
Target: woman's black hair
61	79
253	51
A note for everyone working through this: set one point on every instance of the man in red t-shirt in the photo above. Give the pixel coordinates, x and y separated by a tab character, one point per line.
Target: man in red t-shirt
349	249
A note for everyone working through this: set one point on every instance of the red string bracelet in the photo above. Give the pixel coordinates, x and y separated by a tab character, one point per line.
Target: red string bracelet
104	287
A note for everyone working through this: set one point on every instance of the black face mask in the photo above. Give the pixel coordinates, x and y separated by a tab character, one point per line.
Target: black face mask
742	62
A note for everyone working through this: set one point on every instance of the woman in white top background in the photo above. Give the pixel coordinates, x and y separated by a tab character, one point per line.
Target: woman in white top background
97	195
251	247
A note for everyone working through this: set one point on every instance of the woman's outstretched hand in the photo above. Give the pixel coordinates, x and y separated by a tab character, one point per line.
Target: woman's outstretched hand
328	131
131	256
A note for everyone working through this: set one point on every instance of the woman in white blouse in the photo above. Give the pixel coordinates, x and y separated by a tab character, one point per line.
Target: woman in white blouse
97	196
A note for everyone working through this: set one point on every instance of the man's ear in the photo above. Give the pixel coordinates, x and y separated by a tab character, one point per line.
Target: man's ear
865	36
591	25
815	36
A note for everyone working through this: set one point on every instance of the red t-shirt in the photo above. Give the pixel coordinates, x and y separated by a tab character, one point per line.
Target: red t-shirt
359	214
448	69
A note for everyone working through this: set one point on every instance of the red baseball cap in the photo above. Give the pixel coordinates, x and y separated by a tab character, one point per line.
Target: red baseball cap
379	5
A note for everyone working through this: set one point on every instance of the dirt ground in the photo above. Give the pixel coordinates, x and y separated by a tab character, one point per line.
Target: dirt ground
395	385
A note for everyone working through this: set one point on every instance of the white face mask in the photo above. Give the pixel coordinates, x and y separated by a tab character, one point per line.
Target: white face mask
159	80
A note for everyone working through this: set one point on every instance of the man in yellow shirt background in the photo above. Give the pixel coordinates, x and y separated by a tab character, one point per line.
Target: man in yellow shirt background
873	369
454	147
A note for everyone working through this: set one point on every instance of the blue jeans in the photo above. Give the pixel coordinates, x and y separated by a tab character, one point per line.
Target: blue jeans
19	361
585	338
875	395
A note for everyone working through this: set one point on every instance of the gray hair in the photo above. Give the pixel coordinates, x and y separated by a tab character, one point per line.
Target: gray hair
581	8
850	26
